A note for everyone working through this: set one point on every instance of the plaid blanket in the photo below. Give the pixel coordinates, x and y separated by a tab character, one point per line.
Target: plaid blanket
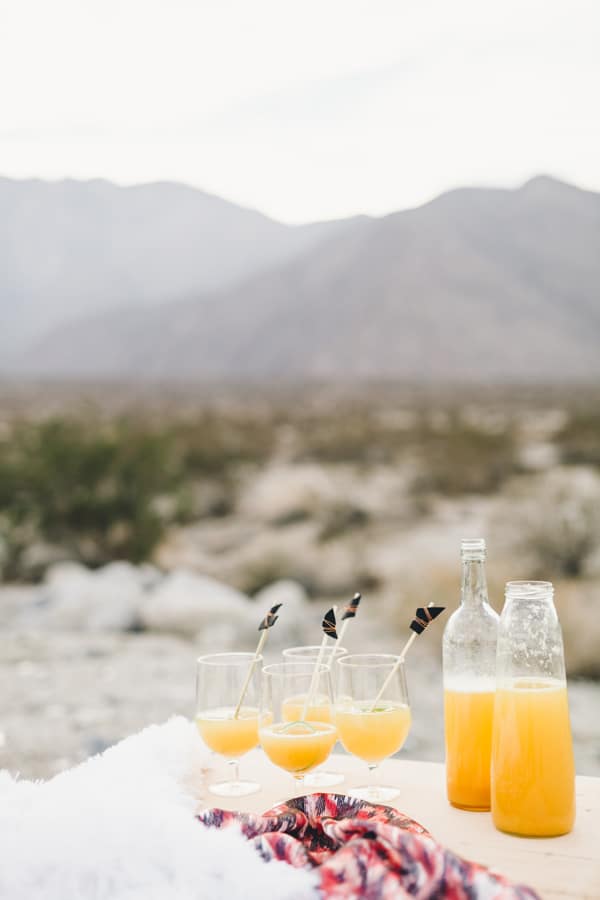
363	850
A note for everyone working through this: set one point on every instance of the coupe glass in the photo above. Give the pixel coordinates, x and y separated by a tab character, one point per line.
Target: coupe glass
291	739
372	731
310	653
220	678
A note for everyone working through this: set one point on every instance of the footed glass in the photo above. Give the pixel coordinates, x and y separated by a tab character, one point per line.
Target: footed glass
368	730
220	678
295	735
320	778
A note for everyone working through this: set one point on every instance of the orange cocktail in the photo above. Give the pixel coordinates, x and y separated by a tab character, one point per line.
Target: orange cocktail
293	709
227	735
373	734
298	747
533	773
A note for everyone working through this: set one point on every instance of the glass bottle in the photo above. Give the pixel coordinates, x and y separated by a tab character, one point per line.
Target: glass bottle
469	658
533	772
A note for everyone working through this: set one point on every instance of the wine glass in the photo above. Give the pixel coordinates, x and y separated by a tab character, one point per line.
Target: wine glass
226	726
370	726
288	737
310	653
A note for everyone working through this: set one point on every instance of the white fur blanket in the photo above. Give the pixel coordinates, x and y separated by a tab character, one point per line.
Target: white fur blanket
121	827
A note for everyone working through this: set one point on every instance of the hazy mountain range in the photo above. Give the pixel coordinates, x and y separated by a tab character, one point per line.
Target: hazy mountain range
163	280
70	248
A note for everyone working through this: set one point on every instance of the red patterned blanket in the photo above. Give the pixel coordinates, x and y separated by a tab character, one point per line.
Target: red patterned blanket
366	851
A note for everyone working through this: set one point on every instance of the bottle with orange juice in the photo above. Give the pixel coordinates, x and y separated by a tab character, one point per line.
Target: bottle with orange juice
533	773
469	658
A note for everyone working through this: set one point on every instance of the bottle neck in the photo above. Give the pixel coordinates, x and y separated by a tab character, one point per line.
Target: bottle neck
473	590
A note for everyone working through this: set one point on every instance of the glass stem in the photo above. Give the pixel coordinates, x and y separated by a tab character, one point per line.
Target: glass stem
299	779
234	765
371	779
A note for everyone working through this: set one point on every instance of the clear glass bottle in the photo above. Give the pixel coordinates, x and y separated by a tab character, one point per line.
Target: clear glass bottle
533	772
469	657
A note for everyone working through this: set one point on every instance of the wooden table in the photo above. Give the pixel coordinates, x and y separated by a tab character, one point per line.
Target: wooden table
563	867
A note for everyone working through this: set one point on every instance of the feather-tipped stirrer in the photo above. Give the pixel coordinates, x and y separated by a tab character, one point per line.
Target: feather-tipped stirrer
349	613
268	622
329	627
423	616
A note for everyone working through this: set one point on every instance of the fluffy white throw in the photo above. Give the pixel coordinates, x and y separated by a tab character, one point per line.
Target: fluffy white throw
121	827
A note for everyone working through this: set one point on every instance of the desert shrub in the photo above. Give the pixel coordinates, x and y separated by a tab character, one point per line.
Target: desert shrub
579	440
339	519
460	458
92	492
559	523
348	436
272	567
108	490
213	444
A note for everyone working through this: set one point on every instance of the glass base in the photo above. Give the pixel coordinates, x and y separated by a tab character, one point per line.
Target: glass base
374	793
234	788
469	808
323	779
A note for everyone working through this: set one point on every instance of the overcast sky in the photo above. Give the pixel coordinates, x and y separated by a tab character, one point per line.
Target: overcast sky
305	110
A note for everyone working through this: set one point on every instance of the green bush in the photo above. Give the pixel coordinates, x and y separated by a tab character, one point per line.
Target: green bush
349	436
461	458
579	440
90	491
108	490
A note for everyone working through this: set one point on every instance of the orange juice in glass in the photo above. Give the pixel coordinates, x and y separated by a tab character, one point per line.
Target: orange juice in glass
291	738
229	736
533	772
295	709
298	747
373	734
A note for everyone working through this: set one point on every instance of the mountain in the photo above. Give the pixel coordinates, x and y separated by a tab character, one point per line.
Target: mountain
478	283
70	248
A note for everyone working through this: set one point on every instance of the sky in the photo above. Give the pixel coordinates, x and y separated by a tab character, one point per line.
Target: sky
305	110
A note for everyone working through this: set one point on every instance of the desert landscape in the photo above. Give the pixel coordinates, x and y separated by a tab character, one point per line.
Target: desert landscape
223	500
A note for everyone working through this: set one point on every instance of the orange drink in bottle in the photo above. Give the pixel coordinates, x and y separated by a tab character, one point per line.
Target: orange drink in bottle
533	768
469	653
468	719
533	773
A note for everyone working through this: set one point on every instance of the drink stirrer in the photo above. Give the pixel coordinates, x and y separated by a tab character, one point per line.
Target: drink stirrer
423	616
268	621
349	613
329	630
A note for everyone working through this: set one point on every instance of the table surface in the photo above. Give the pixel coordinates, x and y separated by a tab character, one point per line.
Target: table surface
562	867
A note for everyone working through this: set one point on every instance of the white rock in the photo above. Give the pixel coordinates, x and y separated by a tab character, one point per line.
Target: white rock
286	491
75	598
18	604
185	603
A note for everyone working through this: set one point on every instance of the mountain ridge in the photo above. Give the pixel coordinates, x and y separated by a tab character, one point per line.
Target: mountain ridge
477	283
70	247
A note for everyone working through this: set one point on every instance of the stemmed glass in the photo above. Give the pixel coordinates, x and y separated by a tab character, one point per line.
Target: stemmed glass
310	653
288	737
372	731
220	678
